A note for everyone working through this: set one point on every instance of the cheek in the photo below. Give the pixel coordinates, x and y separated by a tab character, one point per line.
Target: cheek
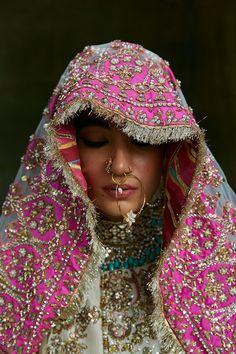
91	167
151	162
153	170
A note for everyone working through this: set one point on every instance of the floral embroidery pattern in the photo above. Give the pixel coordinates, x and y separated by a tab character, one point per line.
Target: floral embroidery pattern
198	275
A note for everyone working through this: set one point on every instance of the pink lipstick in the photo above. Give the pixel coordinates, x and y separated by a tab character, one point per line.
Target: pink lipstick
122	192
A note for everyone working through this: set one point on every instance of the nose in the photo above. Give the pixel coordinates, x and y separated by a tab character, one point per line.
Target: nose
121	160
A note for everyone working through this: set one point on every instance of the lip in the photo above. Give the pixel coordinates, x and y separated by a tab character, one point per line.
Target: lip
127	191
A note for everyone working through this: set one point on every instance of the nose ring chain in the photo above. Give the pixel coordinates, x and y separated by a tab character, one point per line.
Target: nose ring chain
119	180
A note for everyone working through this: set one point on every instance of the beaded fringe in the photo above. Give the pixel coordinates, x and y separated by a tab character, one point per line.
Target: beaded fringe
141	132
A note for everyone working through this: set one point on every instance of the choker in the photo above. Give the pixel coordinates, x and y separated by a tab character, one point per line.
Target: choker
131	246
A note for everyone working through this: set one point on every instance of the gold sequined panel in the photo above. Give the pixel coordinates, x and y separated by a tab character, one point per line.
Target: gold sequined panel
126	305
123	317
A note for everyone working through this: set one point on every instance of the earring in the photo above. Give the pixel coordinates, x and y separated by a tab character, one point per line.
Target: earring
109	166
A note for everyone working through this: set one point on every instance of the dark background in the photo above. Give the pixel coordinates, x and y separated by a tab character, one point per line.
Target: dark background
38	38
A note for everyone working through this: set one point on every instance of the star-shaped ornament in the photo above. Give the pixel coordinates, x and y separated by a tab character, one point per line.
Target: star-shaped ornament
130	217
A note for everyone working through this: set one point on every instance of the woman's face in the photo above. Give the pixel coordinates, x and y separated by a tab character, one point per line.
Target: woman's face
98	143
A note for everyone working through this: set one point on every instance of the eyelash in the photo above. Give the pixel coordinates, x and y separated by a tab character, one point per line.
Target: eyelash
97	144
94	144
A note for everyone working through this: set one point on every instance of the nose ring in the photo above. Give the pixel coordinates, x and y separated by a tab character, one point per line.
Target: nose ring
119	179
114	177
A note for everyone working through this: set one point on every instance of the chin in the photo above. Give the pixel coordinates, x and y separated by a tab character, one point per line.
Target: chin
116	215
113	217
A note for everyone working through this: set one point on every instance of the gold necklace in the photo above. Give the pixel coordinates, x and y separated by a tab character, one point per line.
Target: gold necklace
131	246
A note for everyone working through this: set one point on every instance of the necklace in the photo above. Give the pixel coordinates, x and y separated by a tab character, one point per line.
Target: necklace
131	246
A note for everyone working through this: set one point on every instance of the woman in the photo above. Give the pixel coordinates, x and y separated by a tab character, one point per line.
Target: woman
118	232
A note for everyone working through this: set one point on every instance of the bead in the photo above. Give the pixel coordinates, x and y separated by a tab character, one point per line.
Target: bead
152	257
147	251
130	261
111	266
125	265
117	264
141	261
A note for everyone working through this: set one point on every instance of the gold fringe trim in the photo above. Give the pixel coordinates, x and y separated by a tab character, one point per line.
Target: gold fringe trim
148	134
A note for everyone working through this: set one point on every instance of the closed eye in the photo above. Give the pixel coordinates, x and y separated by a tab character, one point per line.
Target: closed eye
93	143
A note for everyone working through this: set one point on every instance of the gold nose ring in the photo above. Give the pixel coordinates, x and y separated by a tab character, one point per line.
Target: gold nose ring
119	179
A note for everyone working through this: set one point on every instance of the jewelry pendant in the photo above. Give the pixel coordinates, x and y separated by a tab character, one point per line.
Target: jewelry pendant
130	217
120	190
